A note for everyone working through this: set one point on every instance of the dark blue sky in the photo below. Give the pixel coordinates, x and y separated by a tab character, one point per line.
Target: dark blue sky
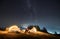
46	13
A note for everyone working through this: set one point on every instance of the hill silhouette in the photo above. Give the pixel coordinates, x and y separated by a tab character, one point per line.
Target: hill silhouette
40	34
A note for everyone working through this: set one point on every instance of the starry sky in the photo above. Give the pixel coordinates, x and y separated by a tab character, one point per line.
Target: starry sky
45	13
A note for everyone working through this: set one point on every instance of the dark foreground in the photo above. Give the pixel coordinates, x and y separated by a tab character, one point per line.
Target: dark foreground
27	36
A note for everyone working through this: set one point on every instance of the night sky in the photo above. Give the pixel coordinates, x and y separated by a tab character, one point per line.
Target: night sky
45	13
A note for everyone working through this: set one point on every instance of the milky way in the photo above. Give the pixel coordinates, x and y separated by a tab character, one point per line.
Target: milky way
46	13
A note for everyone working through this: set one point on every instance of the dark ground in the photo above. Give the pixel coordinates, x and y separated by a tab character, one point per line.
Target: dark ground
27	36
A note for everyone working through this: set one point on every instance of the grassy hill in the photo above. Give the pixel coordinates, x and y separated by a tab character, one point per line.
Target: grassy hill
37	35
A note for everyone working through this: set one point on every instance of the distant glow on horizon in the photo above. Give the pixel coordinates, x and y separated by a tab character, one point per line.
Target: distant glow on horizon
25	25
50	32
58	32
